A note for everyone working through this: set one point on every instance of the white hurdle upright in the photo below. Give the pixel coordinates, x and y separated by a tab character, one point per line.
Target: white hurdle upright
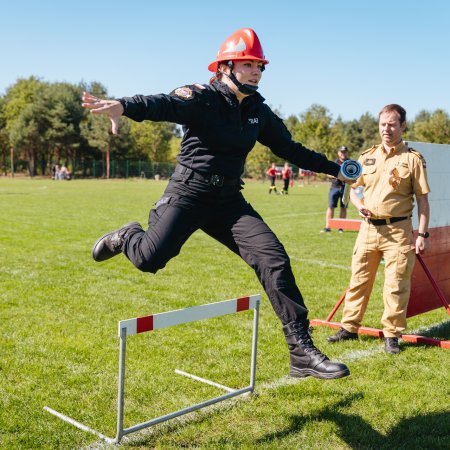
164	320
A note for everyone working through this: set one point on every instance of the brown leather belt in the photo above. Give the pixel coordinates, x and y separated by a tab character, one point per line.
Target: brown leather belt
385	221
209	178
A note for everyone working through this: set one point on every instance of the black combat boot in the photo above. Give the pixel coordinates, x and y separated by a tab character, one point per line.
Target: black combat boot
110	244
305	359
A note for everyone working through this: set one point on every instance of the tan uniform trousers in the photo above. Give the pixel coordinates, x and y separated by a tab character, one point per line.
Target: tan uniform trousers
395	244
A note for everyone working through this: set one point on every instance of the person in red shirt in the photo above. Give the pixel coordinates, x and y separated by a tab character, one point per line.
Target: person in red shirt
272	173
286	175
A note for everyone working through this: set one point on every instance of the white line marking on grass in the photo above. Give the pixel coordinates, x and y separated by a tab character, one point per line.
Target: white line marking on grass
320	263
275	384
361	354
282	216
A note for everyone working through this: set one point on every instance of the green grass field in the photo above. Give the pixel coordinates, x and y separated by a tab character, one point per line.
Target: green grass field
59	347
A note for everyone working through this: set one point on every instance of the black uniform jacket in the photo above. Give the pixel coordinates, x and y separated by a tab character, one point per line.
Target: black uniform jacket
219	132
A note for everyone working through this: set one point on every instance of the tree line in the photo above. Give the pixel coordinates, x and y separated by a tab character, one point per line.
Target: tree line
43	124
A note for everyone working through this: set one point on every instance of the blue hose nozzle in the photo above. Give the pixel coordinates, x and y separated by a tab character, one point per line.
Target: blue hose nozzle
351	169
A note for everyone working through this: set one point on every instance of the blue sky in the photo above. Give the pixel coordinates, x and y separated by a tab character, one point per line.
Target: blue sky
350	56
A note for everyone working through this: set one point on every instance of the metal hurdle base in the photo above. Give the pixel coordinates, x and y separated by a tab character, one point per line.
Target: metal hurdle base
163	320
231	393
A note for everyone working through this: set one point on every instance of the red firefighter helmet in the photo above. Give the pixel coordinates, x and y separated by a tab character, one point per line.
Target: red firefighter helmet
242	44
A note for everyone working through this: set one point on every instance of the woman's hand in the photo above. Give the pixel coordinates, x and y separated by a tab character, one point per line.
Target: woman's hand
112	108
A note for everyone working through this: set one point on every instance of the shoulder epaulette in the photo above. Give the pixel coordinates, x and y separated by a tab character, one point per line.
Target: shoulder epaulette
415	152
369	150
419	155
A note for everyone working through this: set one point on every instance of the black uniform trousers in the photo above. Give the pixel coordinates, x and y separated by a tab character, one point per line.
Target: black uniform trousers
189	204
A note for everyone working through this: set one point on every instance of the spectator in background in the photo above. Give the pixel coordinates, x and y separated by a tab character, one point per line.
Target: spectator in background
286	175
305	176
336	193
272	174
55	172
64	173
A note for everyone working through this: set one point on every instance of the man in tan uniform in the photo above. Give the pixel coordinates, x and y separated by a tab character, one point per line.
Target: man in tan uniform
392	175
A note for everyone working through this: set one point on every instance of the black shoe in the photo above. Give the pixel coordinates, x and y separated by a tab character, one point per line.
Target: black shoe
342	335
391	345
326	230
110	244
307	360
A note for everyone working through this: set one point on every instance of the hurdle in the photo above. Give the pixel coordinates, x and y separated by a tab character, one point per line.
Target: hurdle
167	319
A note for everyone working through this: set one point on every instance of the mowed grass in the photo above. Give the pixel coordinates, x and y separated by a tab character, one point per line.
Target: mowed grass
59	346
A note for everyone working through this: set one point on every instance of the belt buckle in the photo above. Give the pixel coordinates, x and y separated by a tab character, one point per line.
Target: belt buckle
216	180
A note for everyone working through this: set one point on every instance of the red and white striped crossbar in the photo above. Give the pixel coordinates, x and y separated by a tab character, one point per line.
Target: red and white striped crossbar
192	314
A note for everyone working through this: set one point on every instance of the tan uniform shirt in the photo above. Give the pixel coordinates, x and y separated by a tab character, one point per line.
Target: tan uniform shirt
395	199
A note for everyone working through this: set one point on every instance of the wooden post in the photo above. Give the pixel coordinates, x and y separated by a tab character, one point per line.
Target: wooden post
107	163
12	161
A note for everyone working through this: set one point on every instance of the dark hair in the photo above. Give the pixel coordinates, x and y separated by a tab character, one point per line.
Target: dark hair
218	74
394	107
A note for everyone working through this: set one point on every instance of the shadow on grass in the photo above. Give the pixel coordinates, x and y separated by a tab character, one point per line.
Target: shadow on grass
430	431
439	331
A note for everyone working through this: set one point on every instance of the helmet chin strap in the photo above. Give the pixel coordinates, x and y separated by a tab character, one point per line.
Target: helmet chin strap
246	89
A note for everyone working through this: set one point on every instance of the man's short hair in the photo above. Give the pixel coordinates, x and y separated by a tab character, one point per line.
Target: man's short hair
394	107
343	148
